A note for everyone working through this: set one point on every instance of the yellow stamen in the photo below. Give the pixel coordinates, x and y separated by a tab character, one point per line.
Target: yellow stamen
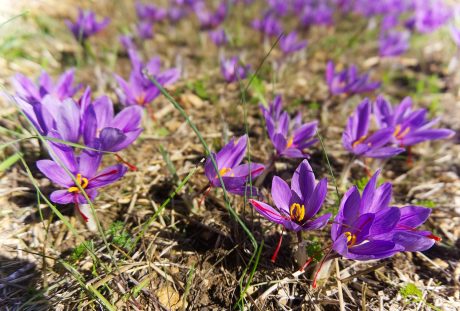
397	133
297	212
224	171
82	181
351	238
290	141
359	141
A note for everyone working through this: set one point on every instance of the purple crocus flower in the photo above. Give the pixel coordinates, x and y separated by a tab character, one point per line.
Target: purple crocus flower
408	126
268	25
150	12
86	25
145	29
319	14
288	138
51	114
234	175
430	15
366	227
278	7
208	19
84	168
176	13
32	93
394	43
348	81
290	44
139	90
358	140
218	36
104	130
298	204
232	71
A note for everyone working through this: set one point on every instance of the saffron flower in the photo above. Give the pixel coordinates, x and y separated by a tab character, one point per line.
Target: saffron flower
234	174
288	138
150	12
232	71
84	169
51	114
104	130
408	126
289	44
210	20
139	90
145	29
86	25
315	14
358	139
218	37
35	92
348	81
298	204
366	227
394	43
268	25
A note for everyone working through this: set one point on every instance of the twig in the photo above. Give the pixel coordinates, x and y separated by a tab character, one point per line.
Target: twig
339	285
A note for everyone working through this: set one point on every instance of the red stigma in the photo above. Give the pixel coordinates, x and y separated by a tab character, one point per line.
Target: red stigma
306	264
204	195
77	206
434	237
129	165
278	246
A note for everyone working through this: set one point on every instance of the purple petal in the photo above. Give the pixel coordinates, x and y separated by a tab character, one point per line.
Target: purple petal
267	211
317	198
129	119
107	176
89	163
62	197
281	194
303	180
412	242
413	216
55	173
318	223
373	250
385	221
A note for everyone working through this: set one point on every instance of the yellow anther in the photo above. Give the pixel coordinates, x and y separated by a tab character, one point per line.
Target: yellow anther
290	141
397	133
359	141
224	171
351	238
297	212
82	181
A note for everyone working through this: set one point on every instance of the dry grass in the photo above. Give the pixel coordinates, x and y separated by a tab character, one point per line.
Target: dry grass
192	257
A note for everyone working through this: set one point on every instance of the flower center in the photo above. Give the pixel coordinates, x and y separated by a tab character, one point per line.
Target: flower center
82	181
289	143
140	100
351	238
297	212
359	141
224	171
398	134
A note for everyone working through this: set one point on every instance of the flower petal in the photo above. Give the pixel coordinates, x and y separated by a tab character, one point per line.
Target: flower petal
267	211
281	194
55	173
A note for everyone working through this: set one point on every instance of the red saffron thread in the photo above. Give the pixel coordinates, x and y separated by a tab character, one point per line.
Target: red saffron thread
306	264
320	267
204	195
121	160
275	254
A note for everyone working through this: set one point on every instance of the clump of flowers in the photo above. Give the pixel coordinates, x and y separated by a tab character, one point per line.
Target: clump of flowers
86	25
232	70
410	126
348	81
367	227
139	89
289	138
359	140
